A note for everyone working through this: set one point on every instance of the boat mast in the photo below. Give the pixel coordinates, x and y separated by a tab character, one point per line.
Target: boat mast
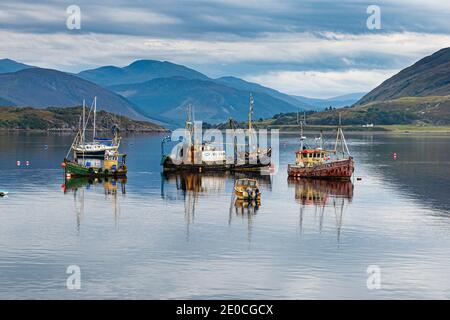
321	139
302	138
84	124
340	138
189	121
95	111
250	112
250	129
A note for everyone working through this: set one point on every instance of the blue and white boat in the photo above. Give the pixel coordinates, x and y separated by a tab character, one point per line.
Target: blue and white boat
98	146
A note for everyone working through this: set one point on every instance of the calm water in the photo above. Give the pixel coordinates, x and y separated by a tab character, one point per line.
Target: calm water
185	237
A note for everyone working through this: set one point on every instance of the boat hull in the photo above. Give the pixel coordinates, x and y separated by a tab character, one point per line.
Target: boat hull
77	170
339	169
169	166
241	196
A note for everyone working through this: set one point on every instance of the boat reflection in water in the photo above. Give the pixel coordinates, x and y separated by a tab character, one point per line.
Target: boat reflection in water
248	208
78	186
189	186
322	195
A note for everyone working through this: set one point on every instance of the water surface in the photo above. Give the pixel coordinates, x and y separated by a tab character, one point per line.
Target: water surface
183	236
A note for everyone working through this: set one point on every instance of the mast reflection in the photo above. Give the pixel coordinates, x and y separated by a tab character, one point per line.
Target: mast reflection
320	195
78	186
188	186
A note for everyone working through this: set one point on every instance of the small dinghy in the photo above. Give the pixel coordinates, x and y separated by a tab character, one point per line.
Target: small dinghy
3	193
247	189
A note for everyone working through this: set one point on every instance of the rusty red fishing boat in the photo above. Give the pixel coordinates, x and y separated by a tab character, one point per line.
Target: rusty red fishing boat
320	163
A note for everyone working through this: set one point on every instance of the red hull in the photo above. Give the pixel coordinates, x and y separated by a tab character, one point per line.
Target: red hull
340	169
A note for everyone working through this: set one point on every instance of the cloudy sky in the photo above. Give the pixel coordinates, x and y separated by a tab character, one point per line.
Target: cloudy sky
316	48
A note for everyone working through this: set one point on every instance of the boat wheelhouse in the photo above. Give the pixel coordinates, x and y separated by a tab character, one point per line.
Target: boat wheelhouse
247	189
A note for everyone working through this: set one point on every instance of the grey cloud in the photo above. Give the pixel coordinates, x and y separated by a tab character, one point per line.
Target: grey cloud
211	19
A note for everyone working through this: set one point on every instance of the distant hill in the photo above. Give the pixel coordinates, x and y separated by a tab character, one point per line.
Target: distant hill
429	76
419	94
8	65
335	102
40	88
212	101
13	118
139	71
254	87
433	110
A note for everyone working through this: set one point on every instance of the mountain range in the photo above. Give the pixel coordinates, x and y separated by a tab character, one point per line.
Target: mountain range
155	90
161	90
139	71
212	101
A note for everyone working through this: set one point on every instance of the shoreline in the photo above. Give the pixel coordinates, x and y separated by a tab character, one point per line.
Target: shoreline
285	129
74	131
380	129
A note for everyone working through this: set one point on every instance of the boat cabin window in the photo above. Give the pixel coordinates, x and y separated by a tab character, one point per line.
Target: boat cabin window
246	183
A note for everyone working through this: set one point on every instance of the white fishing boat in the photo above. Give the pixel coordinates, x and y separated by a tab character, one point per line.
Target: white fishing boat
205	156
98	146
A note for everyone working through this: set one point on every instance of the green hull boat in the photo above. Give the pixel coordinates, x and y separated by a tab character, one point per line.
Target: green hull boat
74	169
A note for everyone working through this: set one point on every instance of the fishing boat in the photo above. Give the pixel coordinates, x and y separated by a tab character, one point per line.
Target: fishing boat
98	146
320	163
206	156
247	189
3	193
113	163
